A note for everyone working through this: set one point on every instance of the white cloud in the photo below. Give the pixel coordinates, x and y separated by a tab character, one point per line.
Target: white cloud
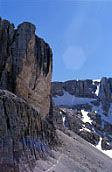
74	57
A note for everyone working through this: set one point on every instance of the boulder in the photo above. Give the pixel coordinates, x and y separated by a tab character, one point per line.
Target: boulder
105	144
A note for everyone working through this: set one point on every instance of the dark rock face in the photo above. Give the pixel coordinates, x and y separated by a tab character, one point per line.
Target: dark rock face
25	64
106	93
91	120
24	136
105	144
81	88
57	88
106	89
73	121
87	89
26	131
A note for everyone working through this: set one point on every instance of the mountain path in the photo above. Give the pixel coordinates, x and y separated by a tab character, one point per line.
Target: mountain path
57	162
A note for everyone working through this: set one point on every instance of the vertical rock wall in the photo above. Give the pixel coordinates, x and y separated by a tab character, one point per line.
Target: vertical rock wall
26	132
25	64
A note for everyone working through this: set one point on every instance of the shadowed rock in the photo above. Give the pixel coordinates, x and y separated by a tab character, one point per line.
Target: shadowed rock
24	135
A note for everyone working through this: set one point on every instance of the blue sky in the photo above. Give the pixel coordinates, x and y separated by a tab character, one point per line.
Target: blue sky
78	31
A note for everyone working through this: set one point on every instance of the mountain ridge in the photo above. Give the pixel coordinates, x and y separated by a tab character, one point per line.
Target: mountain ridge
90	103
36	135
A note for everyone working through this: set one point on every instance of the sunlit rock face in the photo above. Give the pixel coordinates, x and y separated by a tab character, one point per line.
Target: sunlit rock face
25	64
26	132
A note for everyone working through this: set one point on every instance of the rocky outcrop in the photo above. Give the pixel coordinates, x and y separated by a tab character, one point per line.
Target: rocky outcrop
81	88
99	90
26	130
86	106
24	135
106	94
25	64
57	88
73	121
106	144
106	89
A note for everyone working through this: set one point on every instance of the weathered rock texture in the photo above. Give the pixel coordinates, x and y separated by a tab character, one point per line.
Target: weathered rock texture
91	120
106	89
25	64
106	93
24	136
26	133
81	88
87	88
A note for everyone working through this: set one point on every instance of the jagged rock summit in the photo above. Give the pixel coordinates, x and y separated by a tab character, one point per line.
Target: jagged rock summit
26	133
25	64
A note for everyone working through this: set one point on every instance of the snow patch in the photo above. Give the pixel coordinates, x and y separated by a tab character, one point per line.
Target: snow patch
70	100
97	90
97	85
85	117
63	119
85	129
96	80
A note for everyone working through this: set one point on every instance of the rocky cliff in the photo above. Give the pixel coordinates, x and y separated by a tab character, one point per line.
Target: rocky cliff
80	88
26	132
85	107
25	64
24	136
30	128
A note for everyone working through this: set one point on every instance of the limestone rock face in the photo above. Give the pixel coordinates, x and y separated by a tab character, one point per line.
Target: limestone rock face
81	88
25	64
106	89
106	93
26	131
24	135
86	108
57	88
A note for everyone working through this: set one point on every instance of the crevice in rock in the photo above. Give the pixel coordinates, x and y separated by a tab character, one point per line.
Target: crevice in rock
7	117
8	123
